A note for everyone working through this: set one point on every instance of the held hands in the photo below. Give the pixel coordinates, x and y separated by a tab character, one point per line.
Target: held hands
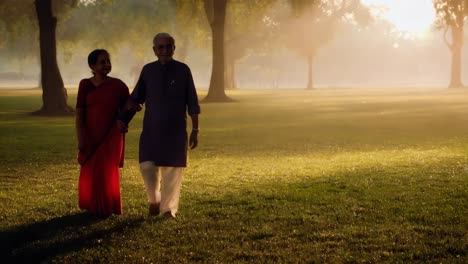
132	106
127	113
193	141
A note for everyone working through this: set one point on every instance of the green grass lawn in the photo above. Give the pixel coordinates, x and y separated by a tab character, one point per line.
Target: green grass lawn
336	176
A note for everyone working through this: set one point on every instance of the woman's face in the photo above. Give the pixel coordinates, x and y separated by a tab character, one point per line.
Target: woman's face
103	65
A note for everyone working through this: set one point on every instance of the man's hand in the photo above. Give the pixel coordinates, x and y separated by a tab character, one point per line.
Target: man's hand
193	142
132	106
122	126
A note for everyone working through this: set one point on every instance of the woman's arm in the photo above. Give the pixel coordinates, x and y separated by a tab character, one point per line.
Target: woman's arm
80	128
80	121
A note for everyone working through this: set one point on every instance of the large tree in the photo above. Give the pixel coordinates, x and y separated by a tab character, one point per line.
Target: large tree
451	16
314	24
16	15
216	14
54	94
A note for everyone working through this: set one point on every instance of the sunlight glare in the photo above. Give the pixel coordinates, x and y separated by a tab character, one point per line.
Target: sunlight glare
410	16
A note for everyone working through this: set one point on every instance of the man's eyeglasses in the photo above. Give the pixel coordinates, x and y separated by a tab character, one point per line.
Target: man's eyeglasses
168	46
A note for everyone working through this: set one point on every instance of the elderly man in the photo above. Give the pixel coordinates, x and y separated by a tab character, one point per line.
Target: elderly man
166	88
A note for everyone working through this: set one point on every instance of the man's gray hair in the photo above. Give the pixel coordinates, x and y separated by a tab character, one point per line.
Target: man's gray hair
163	35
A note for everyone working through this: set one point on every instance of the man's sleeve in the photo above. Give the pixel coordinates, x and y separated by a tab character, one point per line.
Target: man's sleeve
137	96
193	107
139	93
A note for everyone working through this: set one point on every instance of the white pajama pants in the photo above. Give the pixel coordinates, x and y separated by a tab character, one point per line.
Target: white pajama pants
162	185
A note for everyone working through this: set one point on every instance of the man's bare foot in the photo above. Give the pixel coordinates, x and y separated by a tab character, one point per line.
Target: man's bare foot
154	209
169	215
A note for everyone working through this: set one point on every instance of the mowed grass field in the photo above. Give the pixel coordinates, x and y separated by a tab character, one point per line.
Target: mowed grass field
287	176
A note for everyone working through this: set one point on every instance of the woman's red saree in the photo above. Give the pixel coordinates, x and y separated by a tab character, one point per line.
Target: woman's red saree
99	182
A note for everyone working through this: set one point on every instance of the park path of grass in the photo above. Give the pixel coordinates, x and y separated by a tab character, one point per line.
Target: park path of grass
280	176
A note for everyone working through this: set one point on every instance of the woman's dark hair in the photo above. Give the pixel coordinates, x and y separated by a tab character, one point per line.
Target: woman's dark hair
93	56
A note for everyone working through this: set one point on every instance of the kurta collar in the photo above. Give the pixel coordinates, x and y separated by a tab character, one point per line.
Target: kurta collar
165	66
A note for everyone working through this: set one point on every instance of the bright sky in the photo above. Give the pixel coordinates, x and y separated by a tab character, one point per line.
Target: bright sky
412	16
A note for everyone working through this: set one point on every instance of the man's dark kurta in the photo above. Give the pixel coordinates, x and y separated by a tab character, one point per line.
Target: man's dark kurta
168	93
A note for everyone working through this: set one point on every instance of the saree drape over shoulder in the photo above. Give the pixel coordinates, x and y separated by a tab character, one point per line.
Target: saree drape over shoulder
99	182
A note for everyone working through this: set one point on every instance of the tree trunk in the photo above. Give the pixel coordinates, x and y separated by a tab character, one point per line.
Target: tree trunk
310	81
54	95
456	50
216	91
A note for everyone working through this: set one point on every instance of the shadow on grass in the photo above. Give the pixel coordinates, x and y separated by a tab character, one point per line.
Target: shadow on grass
40	241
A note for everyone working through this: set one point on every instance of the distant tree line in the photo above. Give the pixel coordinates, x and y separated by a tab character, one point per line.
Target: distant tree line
235	28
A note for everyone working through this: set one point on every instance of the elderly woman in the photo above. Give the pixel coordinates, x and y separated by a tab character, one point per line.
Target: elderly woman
100	141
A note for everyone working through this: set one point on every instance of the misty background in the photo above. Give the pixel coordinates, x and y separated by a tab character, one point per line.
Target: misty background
373	54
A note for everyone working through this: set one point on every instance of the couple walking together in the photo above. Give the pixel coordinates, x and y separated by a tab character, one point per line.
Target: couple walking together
103	110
